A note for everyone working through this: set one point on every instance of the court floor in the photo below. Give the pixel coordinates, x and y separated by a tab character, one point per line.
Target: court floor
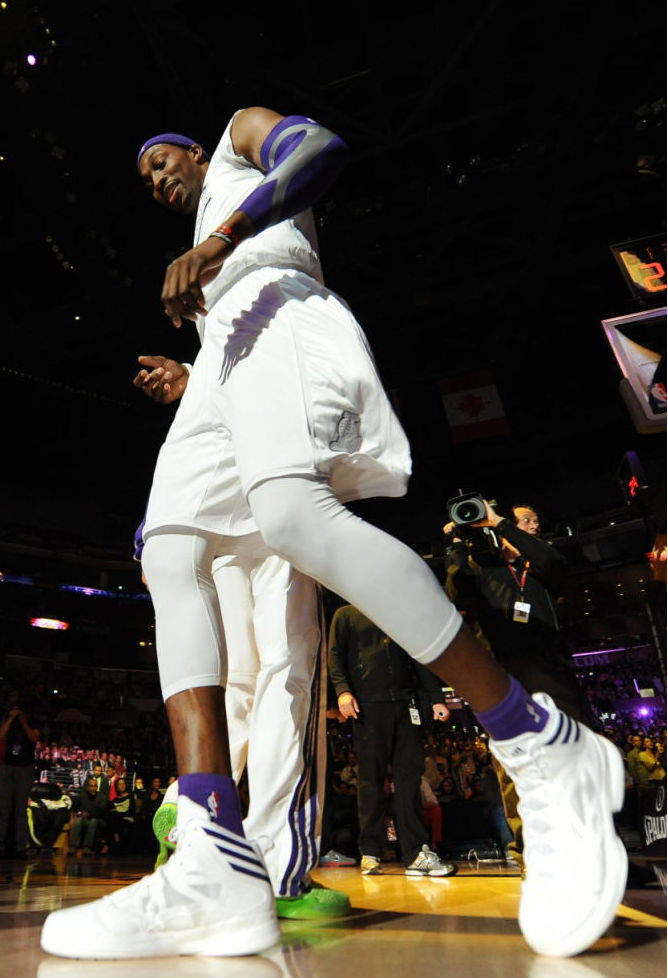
400	927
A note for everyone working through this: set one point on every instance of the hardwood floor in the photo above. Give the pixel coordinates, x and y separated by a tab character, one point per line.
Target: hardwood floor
401	927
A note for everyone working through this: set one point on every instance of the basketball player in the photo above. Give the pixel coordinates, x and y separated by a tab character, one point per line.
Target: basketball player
284	395
273	626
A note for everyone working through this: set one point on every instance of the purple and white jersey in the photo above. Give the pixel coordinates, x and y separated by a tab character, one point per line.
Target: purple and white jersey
291	243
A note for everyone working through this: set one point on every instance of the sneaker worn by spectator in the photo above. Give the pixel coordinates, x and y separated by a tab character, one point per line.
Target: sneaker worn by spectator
370	866
570	782
213	897
313	903
334	858
428	863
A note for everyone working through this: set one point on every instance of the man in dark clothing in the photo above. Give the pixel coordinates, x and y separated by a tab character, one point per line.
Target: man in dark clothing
101	781
509	595
381	687
88	825
18	735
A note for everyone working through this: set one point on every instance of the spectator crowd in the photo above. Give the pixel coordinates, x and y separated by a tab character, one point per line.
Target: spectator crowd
461	800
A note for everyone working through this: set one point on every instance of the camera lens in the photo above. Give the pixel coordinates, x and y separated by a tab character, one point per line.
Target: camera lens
467	511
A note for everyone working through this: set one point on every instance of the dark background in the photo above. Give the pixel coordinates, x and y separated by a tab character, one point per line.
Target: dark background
498	150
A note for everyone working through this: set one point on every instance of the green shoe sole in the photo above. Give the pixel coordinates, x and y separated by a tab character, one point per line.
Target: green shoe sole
164	822
317	904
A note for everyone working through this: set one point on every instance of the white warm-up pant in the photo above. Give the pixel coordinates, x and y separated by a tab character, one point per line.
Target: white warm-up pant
275	701
274	674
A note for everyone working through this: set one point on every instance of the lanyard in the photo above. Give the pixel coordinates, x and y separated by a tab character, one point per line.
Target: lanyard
520	581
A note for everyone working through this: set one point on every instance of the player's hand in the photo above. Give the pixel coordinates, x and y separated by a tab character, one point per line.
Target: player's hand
348	705
182	295
162	379
440	711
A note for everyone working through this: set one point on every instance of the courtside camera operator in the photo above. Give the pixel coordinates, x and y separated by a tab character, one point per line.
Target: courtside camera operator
513	582
507	582
468	523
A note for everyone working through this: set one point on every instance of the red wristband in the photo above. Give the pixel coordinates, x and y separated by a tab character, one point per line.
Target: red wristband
228	232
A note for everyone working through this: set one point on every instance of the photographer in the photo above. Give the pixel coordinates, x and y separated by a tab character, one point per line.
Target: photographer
18	735
506	581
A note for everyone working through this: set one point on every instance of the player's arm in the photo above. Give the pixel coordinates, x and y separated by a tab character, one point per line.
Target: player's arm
299	159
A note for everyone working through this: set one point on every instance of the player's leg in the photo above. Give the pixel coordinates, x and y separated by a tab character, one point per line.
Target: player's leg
553	760
275	682
232	578
389	583
285	770
542	672
213	896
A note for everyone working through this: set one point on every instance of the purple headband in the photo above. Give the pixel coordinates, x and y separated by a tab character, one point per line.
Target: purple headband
174	138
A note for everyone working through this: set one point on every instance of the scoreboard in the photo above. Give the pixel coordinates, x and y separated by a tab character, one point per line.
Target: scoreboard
642	263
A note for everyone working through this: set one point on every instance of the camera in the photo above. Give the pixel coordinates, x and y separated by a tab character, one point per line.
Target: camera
467	508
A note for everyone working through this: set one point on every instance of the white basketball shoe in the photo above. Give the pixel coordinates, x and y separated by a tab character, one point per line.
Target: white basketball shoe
569	781
212	897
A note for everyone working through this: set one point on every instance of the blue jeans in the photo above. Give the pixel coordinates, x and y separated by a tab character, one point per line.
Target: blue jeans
84	833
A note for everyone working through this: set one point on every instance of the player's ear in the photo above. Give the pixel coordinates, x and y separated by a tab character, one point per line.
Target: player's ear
197	153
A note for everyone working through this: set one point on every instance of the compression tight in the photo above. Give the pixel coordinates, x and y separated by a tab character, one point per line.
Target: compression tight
189	637
303	521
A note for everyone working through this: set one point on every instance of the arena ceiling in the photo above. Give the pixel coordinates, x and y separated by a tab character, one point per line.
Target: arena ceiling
498	150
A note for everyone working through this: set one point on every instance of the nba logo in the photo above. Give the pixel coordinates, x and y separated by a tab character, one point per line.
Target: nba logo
213	804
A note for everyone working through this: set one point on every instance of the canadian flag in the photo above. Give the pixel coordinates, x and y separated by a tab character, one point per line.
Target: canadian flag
473	406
